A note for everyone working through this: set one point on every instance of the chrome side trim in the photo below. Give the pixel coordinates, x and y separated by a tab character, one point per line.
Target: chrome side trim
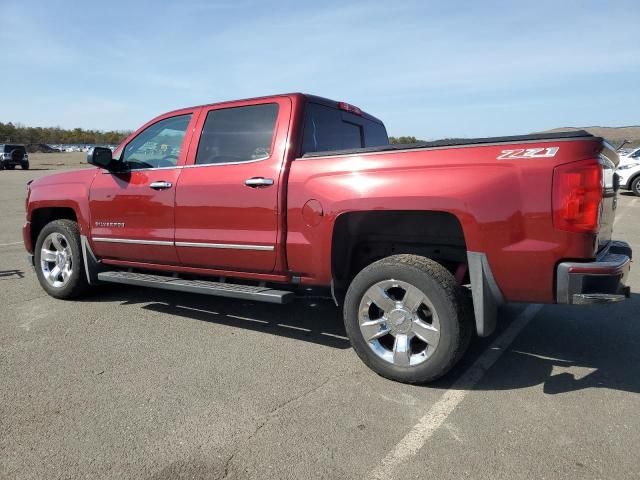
180	167
121	172
198	165
264	248
129	240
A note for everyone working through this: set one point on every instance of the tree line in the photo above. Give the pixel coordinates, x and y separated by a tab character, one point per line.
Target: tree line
17	133
403	140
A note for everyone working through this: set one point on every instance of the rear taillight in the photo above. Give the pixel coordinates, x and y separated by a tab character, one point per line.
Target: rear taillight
577	195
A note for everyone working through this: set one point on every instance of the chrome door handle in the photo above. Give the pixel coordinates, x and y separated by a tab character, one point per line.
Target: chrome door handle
161	185
257	182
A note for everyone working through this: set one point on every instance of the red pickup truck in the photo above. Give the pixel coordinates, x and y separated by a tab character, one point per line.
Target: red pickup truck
257	198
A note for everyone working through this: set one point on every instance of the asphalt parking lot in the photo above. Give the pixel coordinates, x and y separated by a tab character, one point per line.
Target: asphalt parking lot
136	383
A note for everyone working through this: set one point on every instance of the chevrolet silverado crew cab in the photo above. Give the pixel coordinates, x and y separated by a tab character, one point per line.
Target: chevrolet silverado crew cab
420	243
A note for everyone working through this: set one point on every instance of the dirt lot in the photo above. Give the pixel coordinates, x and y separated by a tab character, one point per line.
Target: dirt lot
55	161
135	383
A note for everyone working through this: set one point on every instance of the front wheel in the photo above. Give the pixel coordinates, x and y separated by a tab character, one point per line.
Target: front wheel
58	260
635	187
407	318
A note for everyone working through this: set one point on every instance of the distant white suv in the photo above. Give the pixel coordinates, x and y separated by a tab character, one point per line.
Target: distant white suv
629	174
630	157
12	155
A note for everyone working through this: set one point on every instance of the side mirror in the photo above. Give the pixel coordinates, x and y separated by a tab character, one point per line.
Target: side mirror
101	157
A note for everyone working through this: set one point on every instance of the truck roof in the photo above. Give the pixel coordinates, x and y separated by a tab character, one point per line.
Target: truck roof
314	98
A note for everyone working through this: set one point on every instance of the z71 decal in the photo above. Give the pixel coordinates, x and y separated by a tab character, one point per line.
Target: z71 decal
529	153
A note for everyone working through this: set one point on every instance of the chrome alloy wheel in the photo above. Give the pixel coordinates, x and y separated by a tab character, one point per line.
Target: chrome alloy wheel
56	260
399	323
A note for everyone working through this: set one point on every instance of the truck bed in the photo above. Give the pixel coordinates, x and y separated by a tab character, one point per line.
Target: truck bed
456	142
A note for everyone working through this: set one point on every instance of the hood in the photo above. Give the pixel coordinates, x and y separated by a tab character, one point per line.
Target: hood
84	176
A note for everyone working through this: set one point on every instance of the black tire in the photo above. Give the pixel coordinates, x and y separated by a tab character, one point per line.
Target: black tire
635	186
76	284
1	165
450	301
24	165
10	166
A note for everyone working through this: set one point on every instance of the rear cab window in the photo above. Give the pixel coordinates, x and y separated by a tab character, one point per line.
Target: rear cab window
327	128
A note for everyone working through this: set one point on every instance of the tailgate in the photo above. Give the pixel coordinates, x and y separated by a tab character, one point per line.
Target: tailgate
609	160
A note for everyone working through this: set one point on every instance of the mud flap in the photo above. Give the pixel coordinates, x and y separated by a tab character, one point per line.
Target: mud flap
487	297
92	266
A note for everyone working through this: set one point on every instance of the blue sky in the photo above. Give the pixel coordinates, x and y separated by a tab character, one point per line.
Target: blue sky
430	69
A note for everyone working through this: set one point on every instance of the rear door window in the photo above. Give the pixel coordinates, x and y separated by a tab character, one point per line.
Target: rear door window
235	135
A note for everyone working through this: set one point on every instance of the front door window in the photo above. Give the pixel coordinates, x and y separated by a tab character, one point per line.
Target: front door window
158	146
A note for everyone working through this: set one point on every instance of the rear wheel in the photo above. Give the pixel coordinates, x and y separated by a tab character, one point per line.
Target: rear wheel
635	187
58	260
407	318
24	165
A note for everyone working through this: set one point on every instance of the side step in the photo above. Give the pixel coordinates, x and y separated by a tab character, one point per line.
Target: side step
246	292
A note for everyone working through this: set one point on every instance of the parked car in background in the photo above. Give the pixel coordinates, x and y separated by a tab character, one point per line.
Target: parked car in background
629	175
12	154
630	156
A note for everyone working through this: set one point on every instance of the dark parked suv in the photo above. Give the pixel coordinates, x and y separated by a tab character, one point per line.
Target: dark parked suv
12	155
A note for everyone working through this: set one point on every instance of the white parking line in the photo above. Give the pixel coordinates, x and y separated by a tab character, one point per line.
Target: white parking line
7	244
438	413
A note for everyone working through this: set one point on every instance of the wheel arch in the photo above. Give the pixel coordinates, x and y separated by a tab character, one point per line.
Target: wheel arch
632	179
362	237
44	215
